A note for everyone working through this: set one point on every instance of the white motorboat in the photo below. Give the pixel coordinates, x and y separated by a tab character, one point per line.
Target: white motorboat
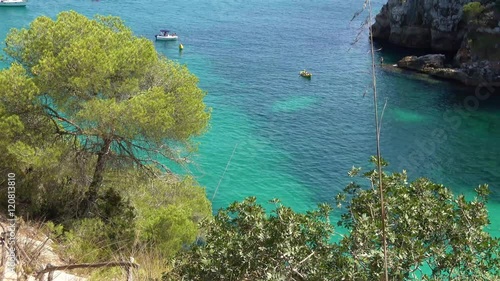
165	35
13	3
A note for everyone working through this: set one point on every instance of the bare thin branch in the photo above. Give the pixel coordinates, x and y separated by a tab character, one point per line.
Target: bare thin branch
379	157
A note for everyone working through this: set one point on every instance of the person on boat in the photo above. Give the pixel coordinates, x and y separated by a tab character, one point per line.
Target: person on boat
381	60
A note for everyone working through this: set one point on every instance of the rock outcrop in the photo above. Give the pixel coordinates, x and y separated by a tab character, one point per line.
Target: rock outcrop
428	24
423	62
441	27
434	65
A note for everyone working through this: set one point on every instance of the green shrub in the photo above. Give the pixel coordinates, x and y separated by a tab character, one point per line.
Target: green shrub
161	216
168	229
168	211
427	225
110	230
428	228
244	243
119	216
87	242
472	10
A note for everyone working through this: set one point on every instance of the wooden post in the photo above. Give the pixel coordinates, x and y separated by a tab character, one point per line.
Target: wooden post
50	275
130	276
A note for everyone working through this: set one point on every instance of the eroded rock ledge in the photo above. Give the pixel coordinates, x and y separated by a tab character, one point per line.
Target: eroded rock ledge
470	75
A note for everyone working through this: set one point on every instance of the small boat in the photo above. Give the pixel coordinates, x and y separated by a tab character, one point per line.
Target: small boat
165	35
13	3
305	74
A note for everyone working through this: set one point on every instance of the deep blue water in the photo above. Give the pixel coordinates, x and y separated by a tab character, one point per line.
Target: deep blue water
293	138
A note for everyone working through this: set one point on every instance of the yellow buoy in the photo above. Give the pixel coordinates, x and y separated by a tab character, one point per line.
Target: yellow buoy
181	47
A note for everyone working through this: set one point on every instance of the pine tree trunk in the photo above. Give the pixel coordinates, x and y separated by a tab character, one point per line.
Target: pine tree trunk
102	158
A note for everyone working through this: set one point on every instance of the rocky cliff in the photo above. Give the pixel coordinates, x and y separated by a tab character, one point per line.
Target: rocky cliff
442	26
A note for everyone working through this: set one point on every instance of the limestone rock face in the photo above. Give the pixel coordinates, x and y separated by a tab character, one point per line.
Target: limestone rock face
437	25
429	24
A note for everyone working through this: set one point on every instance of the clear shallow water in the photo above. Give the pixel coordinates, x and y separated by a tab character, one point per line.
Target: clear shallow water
293	138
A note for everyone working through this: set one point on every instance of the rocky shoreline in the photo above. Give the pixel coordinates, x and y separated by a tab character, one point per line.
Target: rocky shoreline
470	31
434	65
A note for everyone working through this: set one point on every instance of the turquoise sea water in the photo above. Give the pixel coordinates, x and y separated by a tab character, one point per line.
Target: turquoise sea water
293	138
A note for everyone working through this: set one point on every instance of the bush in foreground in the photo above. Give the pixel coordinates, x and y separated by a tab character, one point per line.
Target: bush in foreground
242	242
431	235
